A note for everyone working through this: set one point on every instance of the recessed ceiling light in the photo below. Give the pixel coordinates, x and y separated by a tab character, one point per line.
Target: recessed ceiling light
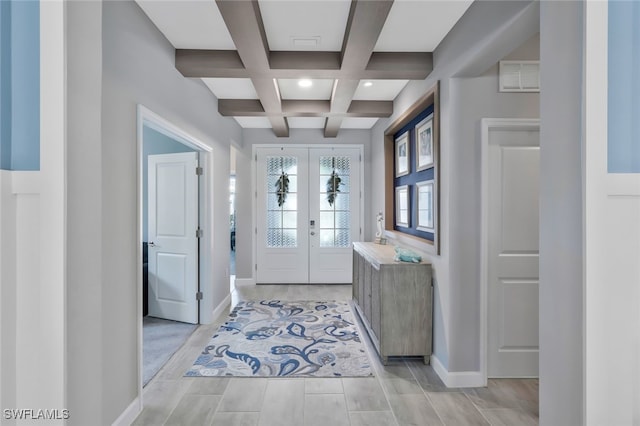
368	83
305	82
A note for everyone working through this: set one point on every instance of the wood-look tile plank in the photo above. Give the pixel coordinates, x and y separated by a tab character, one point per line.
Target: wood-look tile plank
194	410
283	403
364	394
398	370
235	419
492	396
414	410
373	418
401	386
525	389
515	394
159	400
243	394
427	377
208	385
323	385
323	409
180	362
454	408
508	417
532	408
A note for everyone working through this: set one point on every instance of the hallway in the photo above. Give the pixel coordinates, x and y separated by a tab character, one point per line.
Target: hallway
407	392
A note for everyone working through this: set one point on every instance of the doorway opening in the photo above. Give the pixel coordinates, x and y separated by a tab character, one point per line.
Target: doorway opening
232	219
174	214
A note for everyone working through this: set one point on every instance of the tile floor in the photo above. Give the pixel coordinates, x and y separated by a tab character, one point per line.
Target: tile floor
406	392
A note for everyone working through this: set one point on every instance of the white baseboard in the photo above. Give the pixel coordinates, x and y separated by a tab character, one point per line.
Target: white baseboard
457	379
129	415
245	281
221	308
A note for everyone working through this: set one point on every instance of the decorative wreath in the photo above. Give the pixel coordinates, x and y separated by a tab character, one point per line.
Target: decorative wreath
333	184
282	186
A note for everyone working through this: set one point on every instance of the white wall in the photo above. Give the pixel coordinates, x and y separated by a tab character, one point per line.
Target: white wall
244	182
465	66
137	68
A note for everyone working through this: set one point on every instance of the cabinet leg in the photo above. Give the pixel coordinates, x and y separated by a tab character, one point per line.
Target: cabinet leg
427	359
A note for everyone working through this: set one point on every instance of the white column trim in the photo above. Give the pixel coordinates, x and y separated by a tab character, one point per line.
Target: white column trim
52	304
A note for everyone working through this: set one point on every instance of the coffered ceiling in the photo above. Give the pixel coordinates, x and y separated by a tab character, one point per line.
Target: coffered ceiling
281	64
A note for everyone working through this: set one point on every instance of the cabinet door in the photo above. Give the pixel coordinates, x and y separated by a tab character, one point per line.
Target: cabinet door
361	279
367	291
355	286
375	302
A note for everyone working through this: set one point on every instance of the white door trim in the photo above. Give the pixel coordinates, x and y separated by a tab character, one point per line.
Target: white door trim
254	189
147	117
488	124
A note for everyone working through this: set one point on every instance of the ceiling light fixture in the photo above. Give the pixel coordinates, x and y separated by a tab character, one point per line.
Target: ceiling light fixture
368	84
305	82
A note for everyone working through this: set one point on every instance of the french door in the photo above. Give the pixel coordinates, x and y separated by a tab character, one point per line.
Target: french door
308	214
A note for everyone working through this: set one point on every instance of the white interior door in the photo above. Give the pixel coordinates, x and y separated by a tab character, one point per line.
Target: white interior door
513	252
173	243
334	218
306	237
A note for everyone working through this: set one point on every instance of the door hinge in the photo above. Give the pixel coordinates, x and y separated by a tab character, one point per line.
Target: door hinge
199	295
256	157
360	157
256	266
256	231
199	171
199	233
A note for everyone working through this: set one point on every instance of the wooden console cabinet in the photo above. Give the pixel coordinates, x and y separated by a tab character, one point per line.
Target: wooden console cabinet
393	299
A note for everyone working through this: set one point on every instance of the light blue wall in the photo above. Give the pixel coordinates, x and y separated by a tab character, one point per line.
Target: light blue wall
20	75
154	142
624	87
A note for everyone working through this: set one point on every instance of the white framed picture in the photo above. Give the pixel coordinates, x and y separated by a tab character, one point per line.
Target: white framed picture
424	143
402	206
425	206
402	155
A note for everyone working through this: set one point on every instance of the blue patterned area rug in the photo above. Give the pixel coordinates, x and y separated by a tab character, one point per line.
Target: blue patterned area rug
290	339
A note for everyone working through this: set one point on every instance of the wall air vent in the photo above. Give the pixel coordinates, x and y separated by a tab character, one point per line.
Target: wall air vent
519	76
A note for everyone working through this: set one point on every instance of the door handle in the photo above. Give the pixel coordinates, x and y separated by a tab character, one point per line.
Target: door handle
313	233
151	244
